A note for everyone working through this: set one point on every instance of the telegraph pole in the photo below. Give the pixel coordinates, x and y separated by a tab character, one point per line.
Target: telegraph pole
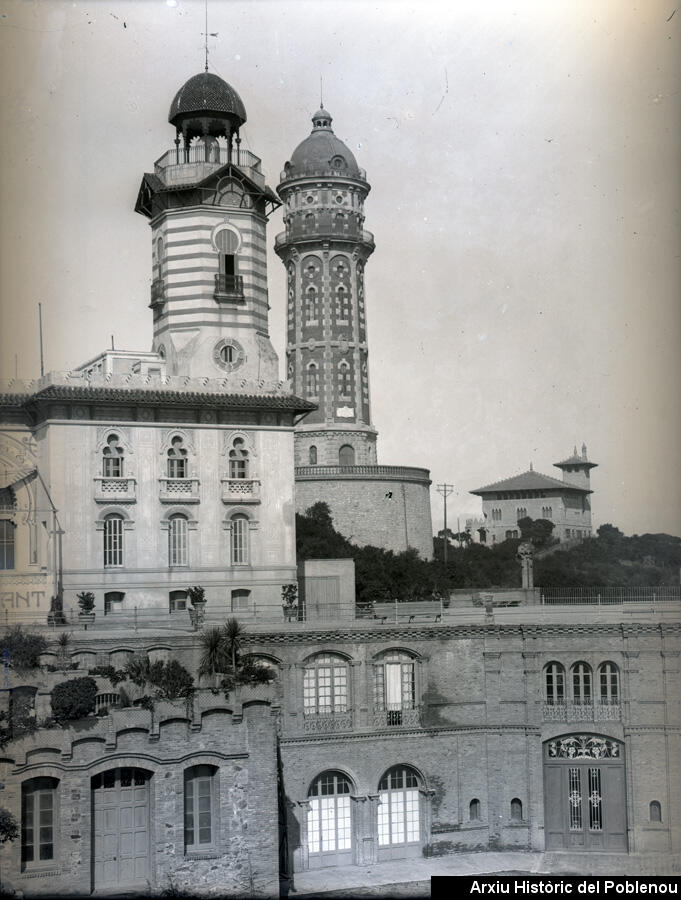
445	489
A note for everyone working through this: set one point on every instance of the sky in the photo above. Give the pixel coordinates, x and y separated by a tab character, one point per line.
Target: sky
525	291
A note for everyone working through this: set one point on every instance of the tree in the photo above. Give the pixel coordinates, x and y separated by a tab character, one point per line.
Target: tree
538	531
23	648
213	655
9	830
233	632
73	699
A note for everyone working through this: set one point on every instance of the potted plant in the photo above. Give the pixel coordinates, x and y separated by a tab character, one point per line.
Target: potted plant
289	601
86	602
197	598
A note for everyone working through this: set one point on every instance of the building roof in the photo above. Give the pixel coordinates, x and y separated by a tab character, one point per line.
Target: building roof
576	460
530	481
322	151
159	396
204	94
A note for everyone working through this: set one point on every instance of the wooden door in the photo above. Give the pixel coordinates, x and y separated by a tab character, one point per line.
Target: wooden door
120	821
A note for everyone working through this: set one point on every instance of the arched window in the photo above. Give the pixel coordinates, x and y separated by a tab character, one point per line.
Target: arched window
239	541
516	810
395	688
113	540
311	305
329	820
581	684
177	459
112	458
200	808
346	455
342	302
309	221
38	818
344	379
312	376
177	541
325	685
521	512
398	807
554	680
655	811
7	540
238	459
313	455
113	602
474	810
608	677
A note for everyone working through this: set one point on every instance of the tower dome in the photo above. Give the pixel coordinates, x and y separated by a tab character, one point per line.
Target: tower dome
205	104
322	151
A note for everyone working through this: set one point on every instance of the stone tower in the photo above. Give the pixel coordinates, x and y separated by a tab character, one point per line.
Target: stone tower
576	469
325	249
207	204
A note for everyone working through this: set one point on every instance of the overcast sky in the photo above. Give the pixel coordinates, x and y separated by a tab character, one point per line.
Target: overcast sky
525	291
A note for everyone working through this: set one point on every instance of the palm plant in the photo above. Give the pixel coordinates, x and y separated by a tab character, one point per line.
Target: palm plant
213	652
233	634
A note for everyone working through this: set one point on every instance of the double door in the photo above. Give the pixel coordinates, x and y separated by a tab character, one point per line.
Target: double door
120	821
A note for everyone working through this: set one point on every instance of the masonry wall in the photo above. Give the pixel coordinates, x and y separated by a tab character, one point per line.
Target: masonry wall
240	744
392	514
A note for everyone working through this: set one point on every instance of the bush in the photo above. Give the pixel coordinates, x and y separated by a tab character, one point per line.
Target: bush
74	699
24	648
115	676
171	680
9	830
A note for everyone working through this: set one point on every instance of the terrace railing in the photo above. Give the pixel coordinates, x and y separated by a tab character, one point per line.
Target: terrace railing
608	596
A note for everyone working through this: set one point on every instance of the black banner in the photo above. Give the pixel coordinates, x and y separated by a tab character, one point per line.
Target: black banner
575	886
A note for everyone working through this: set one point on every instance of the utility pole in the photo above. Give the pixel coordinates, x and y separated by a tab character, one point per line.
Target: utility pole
40	327
445	489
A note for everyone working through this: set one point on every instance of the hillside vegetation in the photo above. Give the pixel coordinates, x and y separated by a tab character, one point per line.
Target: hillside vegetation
608	559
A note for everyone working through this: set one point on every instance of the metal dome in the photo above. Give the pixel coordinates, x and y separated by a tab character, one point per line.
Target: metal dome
206	94
322	151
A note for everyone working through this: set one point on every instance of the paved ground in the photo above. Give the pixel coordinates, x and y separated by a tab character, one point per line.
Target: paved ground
411	877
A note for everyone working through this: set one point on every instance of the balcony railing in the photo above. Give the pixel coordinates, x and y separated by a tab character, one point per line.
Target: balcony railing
184	166
292	173
240	490
158	292
323	723
321	230
118	490
382	473
396	716
179	490
229	287
583	712
608	596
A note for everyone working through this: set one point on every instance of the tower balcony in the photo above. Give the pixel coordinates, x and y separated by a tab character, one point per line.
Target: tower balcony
192	164
318	232
229	288
158	293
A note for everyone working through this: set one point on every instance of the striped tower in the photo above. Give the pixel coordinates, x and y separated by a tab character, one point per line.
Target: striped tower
207	204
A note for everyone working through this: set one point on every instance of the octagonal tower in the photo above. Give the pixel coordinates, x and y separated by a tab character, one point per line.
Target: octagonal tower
208	204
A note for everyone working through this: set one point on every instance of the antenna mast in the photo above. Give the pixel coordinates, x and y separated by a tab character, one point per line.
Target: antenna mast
206	34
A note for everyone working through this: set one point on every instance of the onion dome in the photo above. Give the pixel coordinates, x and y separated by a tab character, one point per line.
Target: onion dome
205	104
322	152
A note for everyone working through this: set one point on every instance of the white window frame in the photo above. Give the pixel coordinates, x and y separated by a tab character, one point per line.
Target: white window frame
114	545
178	541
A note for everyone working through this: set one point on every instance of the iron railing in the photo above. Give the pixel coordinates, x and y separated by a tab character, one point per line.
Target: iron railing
229	286
608	596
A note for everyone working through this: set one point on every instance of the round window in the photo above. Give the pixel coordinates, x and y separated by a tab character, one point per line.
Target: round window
226	240
228	354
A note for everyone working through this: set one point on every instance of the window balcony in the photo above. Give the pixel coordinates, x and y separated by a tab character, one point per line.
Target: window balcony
325	723
229	288
397	717
115	490
604	711
240	490
158	293
179	490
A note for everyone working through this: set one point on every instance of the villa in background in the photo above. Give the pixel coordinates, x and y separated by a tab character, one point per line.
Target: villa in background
566	503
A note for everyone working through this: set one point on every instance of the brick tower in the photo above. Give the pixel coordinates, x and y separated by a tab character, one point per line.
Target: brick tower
325	249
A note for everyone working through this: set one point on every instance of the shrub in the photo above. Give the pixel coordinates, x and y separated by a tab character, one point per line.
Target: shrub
86	601
9	830
73	699
24	648
171	680
115	676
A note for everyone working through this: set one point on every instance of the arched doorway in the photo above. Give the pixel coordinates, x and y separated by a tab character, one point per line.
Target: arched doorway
584	793
120	829
329	820
399	814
